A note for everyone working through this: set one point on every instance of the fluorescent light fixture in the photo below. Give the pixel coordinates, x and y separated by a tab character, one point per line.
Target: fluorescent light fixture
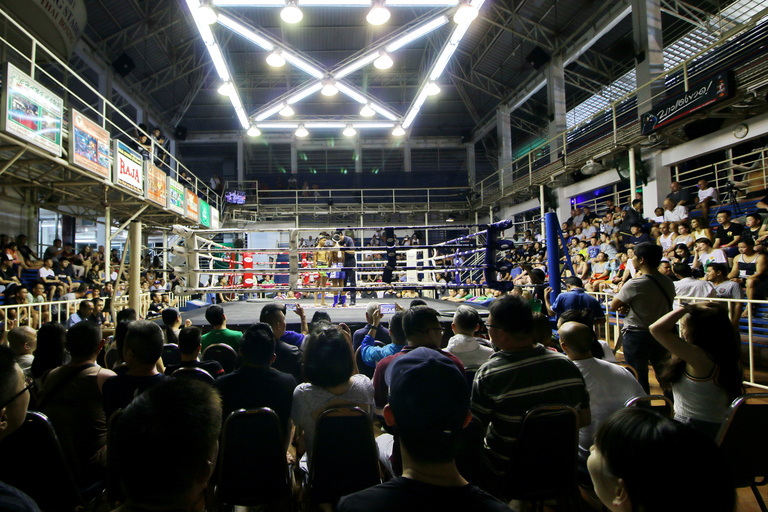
410	117
302	64
372	125
356	64
206	34
242	117
367	111
301	131
291	13
384	61
398	131
351	93
205	14
193	5
275	60
432	88
269	112
218	61
234	98
286	111
253	132
246	32
226	89
458	33
477	4
349	131
442	61
420	99
249	3
383	111
336	3
329	88
304	93
326	124
378	15
465	14
267	126
422	3
416	33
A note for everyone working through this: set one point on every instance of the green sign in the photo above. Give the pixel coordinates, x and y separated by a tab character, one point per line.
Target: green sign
205	214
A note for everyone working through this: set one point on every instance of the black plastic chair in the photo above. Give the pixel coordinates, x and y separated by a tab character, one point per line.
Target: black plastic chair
657	403
469	453
35	464
344	455
252	467
544	463
114	489
361	366
189	372
223	354
171	354
741	441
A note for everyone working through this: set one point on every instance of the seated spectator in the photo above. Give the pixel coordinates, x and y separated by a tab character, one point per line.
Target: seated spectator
665	268
53	251
707	196
699	230
706	254
674	212
429	405
189	341
190	410
329	367
172	325
756	230
71	397
287	356
631	216
717	274
727	234
23	342
50	352
750	269
84	312
688	286
256	384
684	235
269	314
600	349
637	236
608	384
470	350
21	316
625	470
382	333
142	349
220	334
679	196
658	216
370	353
682	255
27	256
156	307
47	276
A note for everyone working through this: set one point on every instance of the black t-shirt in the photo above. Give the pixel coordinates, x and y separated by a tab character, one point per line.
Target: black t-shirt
7	275
406	495
120	391
643	237
68	272
212	367
726	235
349	258
288	360
747	233
681	195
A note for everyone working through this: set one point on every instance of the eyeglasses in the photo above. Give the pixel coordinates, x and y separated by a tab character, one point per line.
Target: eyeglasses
30	382
430	329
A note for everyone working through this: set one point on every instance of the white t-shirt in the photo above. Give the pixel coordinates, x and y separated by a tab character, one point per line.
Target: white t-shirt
708	192
692	287
716	256
46	273
677	214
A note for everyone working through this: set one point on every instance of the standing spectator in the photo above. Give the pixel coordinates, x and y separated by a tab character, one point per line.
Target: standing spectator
574	298
707	196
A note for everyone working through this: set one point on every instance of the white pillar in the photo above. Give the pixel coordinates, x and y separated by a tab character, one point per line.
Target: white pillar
555	104
134	270
407	156
471	169
504	136
649	60
240	161
358	154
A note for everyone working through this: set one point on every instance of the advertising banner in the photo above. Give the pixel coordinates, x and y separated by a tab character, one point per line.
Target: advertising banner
205	213
193	206
30	111
215	219
175	194
128	168
156	191
88	145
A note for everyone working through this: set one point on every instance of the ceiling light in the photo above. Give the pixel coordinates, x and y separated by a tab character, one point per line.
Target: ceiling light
324	124
301	131
442	61
286	111
383	62
465	14
269	112
329	88
351	93
253	131
205	14
409	117
304	93
378	15
381	110
349	131
246	32
291	13
423	3
367	111
218	61
275	60
226	89
398	131
277	125
416	33
366	124
302	64
433	88
355	65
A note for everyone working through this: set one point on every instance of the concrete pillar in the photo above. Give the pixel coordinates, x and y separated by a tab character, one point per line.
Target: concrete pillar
240	161
358	154
107	233
504	136
659	181
407	156
649	46
555	104
294	157
134	270
174	163
471	169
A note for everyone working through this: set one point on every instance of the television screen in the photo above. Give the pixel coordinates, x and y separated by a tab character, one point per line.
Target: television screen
235	197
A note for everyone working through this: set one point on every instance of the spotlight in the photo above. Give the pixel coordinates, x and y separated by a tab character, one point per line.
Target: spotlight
301	131
275	60
291	13
206	15
367	111
226	89
329	88
383	62
465	14
398	131
349	131
378	15
253	132
286	111
433	88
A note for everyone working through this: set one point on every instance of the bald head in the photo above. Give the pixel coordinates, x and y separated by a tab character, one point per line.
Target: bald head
576	340
22	340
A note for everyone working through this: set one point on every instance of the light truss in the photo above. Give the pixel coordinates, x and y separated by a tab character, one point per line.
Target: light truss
329	81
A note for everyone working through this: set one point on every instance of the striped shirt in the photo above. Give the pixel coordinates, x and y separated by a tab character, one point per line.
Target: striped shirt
510	384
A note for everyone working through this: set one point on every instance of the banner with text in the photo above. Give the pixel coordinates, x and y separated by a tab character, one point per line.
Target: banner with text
193	206
156	191
175	196
205	213
128	168
88	145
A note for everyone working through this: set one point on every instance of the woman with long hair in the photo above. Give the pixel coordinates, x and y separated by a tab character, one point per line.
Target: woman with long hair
171	325
50	352
682	254
699	230
684	235
705	374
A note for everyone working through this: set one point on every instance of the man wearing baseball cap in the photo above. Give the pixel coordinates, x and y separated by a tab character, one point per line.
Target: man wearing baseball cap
429	404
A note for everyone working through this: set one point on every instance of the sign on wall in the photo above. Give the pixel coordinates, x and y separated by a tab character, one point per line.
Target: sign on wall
175	195
193	206
30	111
156	186
88	145
205	214
215	218
128	168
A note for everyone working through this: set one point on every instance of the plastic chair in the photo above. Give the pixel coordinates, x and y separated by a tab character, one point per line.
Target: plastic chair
223	354
544	463
742	445
252	468
657	403
114	489
469	453
35	464
171	354
344	456
190	372
629	369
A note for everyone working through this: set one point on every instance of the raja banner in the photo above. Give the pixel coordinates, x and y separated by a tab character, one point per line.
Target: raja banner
156	191
175	194
128	168
205	213
30	111
193	206
88	145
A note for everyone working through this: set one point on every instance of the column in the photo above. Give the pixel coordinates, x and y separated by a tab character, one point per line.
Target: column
471	170
649	59
555	104
134	269
358	154
105	89
294	156
504	136
240	161
407	156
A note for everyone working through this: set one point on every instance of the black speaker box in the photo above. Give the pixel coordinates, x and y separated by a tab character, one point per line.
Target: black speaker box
123	65
537	58
180	133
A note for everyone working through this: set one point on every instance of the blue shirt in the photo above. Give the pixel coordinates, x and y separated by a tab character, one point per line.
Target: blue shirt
292	338
372	354
577	299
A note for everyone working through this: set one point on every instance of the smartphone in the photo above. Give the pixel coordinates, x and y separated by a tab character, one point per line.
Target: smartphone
291	307
387	309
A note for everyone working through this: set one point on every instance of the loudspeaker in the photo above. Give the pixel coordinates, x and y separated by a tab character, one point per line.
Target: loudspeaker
702	127
537	58
180	133
123	65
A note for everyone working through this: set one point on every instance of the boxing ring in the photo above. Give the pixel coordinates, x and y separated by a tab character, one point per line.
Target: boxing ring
480	247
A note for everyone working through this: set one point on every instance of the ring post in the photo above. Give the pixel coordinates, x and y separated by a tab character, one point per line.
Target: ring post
553	261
